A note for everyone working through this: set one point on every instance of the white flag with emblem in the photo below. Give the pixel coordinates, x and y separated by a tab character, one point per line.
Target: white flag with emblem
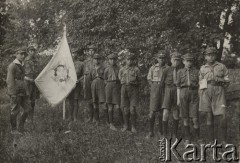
59	77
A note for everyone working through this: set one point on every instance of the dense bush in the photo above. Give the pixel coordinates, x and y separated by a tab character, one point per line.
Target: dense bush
144	26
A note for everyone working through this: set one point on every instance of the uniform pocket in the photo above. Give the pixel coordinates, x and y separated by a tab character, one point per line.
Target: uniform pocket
219	73
132	76
155	73
183	78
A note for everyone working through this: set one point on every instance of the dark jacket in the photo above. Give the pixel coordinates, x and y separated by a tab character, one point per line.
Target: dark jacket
15	79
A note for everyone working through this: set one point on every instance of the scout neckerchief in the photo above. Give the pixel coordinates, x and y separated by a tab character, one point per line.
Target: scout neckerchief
212	68
160	70
113	73
175	75
19	64
127	73
97	67
188	77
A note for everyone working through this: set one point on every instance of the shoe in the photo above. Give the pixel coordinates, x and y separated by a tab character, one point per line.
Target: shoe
124	128
150	135
112	127
133	130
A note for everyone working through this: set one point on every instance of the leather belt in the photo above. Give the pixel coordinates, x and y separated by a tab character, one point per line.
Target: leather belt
190	87
157	82
98	78
171	85
214	83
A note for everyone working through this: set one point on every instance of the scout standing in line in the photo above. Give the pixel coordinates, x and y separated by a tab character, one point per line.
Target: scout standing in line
213	78
19	97
75	94
112	88
88	66
170	94
98	86
157	92
31	72
129	76
187	82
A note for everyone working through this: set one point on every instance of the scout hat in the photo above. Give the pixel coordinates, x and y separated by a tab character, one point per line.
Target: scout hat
188	57
96	56
160	54
21	52
130	56
74	50
112	56
176	55
210	50
31	47
91	47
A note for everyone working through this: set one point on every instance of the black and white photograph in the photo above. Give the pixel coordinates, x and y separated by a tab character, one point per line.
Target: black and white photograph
119	81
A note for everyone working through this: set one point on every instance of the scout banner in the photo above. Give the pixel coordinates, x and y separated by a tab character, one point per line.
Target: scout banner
59	77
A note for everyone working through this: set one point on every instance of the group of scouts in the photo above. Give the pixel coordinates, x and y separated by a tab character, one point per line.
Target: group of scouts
21	87
181	92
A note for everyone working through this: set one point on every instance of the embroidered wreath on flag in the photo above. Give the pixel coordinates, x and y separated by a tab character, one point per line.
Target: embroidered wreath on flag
61	73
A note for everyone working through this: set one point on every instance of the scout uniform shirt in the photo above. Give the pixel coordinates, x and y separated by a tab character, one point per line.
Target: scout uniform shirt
111	73
79	67
217	72
170	76
129	75
212	98
15	79
75	94
157	89
98	85
170	81
155	73
30	67
187	81
188	78
88	66
97	72
113	86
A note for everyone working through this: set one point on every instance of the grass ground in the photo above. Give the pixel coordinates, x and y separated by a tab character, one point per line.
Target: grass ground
48	142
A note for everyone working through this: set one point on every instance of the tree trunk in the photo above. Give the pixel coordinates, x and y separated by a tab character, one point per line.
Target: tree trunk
228	12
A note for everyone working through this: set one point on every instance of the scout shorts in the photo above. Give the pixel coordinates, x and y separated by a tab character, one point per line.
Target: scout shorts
87	87
98	91
75	94
112	90
156	96
129	95
189	103
212	99
170	98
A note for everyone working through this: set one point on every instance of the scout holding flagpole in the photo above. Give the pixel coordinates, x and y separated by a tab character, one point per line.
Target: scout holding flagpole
59	77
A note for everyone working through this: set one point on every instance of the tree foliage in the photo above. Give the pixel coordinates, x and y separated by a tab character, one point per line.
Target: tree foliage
144	26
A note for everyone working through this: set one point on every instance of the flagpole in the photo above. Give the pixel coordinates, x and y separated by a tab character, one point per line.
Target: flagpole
64	102
64	109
